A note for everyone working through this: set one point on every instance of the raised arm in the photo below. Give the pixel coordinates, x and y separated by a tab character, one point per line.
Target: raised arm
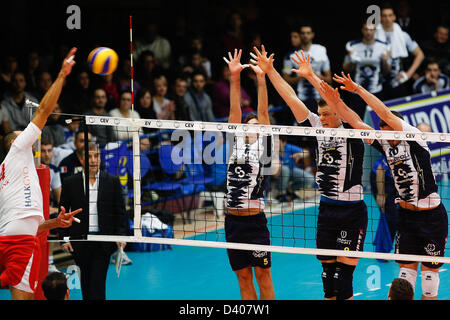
51	97
263	100
235	67
376	104
283	88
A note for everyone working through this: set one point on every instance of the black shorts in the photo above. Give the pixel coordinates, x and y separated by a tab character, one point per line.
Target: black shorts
341	227
422	233
247	229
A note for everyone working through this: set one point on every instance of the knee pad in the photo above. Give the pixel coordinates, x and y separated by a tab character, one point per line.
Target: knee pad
329	269
408	274
343	278
430	283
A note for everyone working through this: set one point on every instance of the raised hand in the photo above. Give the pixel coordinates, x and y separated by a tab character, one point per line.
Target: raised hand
329	94
261	59
68	62
234	64
304	64
347	82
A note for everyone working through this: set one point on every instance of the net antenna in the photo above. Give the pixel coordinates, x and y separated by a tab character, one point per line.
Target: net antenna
136	150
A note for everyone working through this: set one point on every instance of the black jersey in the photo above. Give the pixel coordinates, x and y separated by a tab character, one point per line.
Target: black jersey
339	165
410	165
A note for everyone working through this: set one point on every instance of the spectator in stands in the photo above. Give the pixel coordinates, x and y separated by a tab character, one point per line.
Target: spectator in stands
154	42
234	36
14	104
55	178
102	134
401	45
146	69
319	62
433	80
70	130
32	70
55	287
124	111
295	176
220	96
80	95
8	68
53	130
144	103
124	81
194	65
369	60
44	82
438	48
71	164
198	101
163	107
109	84
407	21
179	92
401	289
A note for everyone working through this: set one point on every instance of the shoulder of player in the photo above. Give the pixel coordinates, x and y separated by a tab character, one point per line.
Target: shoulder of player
352	43
379	42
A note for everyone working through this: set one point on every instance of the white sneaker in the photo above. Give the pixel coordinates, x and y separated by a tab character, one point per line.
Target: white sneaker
126	260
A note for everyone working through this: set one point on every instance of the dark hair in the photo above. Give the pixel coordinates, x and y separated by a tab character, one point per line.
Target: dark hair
401	289
432	60
382	123
321	103
387	5
249	117
45	141
54	286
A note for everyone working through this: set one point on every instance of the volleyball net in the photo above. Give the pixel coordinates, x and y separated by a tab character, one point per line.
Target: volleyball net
174	173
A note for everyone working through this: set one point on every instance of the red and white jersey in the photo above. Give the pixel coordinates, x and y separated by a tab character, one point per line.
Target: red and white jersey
20	192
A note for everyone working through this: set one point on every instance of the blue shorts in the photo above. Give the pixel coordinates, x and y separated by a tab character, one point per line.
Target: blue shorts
341	227
422	233
247	229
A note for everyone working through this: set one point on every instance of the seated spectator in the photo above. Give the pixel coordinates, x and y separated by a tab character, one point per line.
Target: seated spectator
179	92
194	65
103	134
124	81
53	129
109	84
146	69
14	104
70	130
55	287
163	107
198	101
220	96
7	70
32	70
154	42
71	164
44	82
124	111
55	178
295	175
438	48
144	104
433	80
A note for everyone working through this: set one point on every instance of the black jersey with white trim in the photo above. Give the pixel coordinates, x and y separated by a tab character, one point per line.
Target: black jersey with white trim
339	164
248	172
410	165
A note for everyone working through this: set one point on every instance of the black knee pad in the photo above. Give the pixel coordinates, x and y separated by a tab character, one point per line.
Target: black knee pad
329	269
343	278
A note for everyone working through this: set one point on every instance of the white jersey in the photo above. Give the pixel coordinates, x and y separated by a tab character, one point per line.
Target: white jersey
367	58
410	165
248	171
20	192
319	63
397	62
339	165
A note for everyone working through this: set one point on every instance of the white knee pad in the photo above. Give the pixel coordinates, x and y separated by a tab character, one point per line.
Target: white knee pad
408	274
430	283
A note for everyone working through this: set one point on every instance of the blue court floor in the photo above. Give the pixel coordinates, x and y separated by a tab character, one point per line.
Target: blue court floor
196	273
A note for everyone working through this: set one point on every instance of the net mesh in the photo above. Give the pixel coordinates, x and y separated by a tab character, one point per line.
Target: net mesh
173	174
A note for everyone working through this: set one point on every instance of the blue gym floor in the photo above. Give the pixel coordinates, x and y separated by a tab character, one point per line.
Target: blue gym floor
194	273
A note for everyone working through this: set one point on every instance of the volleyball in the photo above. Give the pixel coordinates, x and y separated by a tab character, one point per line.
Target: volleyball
103	60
